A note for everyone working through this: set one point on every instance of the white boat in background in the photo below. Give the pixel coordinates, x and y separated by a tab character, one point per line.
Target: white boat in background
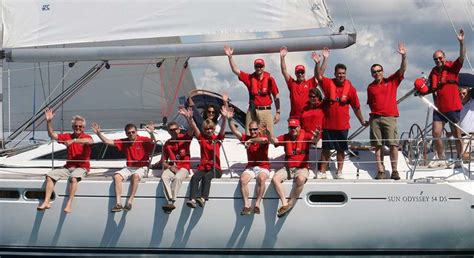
427	211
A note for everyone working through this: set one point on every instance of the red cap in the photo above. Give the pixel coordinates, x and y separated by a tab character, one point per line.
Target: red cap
259	61
293	122
299	68
420	85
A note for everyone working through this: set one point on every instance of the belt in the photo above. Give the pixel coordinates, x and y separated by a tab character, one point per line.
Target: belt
264	108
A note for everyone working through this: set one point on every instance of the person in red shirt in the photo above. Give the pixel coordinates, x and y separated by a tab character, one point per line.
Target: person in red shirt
339	94
261	87
137	150
258	165
312	120
444	84
176	163
298	88
297	143
382	100
210	165
78	156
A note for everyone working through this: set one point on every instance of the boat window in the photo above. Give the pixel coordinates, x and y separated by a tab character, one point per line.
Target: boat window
9	194
37	195
327	198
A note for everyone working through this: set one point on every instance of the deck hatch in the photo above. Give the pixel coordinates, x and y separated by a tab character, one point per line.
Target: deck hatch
336	198
9	194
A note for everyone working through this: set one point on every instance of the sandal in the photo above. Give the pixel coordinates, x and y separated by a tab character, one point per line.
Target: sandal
117	208
256	210
246	211
128	207
283	210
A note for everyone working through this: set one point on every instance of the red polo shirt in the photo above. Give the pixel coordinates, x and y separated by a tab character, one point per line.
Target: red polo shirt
137	152
336	113
312	119
207	151
265	90
299	94
296	160
447	98
257	154
78	154
177	151
382	97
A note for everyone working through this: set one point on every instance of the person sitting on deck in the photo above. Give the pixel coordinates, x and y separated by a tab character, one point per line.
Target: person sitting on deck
312	119
137	150
176	163
210	164
297	144
467	119
382	100
77	164
257	166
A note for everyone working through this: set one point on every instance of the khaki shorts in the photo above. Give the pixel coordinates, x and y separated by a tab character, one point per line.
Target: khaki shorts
294	172
127	172
61	173
255	171
383	130
265	116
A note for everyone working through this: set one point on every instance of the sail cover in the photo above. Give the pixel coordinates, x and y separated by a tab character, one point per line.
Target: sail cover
30	23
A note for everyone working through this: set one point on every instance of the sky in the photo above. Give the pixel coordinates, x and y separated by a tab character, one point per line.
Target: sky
423	26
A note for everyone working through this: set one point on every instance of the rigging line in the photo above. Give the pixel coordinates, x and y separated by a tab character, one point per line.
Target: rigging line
42	82
350	15
178	86
55	88
468	12
29	68
162	92
455	31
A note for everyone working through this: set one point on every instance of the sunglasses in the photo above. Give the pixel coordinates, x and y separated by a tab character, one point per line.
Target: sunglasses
253	129
312	96
209	128
292	127
300	73
437	58
174	129
211	112
131	132
78	126
376	71
258	66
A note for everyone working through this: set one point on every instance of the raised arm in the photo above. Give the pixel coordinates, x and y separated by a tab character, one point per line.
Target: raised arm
229	52
150	128
462	47
188	114
223	121
283	52
48	113
320	64
96	129
233	128
402	51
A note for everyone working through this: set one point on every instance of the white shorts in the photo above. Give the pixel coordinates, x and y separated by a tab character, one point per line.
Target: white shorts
127	172
255	171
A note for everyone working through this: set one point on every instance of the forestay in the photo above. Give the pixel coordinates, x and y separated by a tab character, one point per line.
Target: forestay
29	23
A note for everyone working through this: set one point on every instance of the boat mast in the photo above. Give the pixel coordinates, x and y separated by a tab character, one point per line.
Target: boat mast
202	49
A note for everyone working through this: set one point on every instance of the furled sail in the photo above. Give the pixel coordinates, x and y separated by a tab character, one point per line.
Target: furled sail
30	23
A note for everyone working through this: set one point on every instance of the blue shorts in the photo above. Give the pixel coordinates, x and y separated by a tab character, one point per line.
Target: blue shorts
454	116
335	139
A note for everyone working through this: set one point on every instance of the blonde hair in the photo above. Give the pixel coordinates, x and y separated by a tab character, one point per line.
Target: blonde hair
207	123
78	118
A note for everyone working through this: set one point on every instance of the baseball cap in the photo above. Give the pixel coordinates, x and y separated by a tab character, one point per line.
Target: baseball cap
299	68
259	61
293	122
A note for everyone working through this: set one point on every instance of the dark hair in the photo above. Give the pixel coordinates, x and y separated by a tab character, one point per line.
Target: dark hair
374	65
216	110
129	126
316	92
170	124
340	66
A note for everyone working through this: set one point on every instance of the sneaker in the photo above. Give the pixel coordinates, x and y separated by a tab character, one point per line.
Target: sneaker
201	201
246	211
339	176
191	204
395	175
117	208
320	175
380	175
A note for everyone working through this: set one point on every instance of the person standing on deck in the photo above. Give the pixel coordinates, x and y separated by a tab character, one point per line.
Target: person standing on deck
339	94
176	163
382	100
297	143
258	165
467	119
210	165
261	87
78	156
298	88
444	84
137	150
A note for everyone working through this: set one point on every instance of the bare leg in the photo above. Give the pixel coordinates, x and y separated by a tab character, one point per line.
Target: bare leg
298	185
394	157
261	178
457	133
438	144
118	188
134	181
277	182
340	160
325	157
72	190
48	192
244	188
379	158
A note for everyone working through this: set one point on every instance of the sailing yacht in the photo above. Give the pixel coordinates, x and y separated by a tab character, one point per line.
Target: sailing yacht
428	210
